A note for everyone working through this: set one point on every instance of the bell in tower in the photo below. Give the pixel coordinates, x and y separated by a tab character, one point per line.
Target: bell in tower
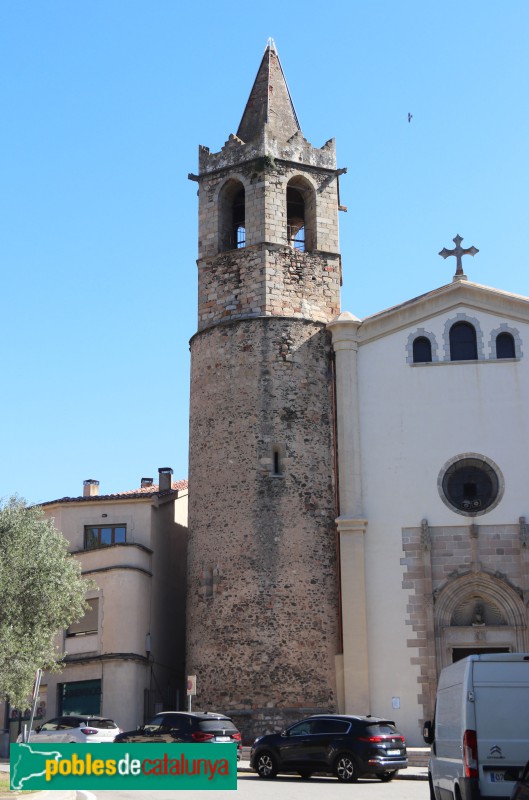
262	614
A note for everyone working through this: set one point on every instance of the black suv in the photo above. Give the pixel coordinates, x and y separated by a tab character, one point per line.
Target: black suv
186	726
337	744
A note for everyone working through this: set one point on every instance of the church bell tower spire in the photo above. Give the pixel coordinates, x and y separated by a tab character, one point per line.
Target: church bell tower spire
262	618
270	105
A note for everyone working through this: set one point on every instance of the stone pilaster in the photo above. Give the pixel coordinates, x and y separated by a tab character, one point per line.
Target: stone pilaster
351	525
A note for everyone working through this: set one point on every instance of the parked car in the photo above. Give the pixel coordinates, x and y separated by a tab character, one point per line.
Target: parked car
521	787
74	728
186	726
337	744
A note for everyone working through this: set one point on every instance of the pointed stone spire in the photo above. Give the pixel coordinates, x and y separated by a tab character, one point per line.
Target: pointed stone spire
269	103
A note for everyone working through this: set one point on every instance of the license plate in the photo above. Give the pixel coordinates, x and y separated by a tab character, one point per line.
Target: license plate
393	752
497	777
223	739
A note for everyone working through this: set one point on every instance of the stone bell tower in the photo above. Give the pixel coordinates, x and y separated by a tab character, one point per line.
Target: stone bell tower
263	619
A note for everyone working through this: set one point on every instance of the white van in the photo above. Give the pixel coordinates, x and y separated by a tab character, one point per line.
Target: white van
480	734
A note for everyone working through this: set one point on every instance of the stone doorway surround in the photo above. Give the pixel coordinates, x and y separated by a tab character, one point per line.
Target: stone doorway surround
468	587
478	611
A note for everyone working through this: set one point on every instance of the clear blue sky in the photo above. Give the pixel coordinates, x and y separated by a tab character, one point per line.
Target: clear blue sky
103	106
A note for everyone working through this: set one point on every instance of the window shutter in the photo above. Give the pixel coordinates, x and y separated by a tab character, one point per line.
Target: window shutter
89	623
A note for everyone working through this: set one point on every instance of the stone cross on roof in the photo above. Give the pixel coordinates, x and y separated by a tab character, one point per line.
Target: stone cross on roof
459	252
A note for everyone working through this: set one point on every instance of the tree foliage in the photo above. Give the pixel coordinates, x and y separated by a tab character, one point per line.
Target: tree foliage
41	592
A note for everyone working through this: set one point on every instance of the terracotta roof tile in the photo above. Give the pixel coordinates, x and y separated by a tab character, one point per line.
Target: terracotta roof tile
131	494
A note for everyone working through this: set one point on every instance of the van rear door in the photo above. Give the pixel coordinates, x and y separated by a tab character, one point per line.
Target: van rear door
501	701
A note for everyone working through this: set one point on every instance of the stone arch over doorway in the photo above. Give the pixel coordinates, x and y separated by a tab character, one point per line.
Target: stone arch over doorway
478	611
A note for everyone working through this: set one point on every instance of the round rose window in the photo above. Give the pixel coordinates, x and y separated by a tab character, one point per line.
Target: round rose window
471	485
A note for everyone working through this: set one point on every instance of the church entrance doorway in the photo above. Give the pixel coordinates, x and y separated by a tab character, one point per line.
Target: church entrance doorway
478	613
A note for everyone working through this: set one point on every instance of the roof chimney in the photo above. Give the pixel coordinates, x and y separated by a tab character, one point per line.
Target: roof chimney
90	488
165	479
146	482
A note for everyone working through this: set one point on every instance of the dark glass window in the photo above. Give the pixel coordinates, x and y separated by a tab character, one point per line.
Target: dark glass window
80	697
330	726
422	350
382	729
301	729
208	725
51	725
156	723
89	623
463	344
104	535
67	723
505	346
470	485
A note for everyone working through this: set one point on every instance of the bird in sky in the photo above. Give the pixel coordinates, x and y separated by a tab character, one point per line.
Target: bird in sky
410	117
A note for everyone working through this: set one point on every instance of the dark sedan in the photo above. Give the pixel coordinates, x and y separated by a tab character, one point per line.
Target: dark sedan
336	744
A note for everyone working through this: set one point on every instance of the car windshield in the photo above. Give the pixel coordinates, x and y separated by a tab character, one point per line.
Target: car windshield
210	725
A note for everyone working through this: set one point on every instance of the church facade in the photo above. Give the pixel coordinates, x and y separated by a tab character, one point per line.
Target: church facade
432	420
357	488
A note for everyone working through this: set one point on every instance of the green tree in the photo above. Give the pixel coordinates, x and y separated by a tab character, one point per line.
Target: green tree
41	592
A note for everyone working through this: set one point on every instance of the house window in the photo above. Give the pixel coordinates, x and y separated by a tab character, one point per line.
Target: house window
422	350
463	344
89	623
104	535
505	345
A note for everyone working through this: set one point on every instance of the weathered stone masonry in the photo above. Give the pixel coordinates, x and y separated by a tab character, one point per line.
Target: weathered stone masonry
265	572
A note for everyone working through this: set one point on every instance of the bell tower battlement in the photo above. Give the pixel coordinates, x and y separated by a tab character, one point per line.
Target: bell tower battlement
268	215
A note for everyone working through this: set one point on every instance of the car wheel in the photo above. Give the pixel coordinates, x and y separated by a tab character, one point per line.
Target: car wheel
345	768
266	765
386	777
305	774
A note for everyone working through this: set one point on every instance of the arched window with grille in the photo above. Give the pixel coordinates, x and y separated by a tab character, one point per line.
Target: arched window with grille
463	343
232	216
